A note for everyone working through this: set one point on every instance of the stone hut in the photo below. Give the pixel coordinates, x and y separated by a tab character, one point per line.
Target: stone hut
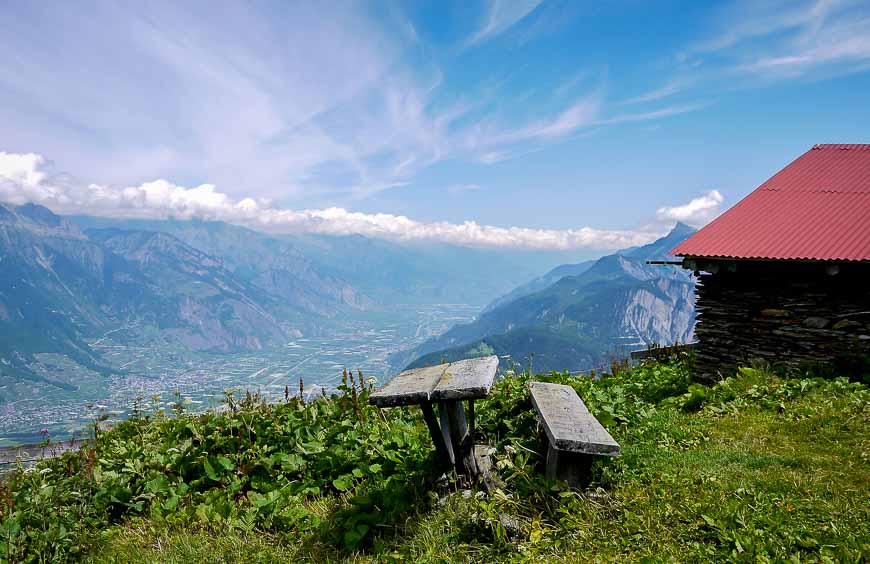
784	275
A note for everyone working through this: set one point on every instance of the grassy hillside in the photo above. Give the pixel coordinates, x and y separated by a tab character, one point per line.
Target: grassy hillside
755	468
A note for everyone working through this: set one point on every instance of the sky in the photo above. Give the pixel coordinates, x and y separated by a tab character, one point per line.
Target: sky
538	124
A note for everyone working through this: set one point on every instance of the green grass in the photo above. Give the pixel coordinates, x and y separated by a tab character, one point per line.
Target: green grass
756	468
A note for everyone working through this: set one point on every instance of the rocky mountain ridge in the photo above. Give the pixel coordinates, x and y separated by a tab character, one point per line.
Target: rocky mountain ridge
61	288
617	304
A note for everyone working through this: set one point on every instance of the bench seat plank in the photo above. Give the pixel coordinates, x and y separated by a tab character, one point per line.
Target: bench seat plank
568	424
466	379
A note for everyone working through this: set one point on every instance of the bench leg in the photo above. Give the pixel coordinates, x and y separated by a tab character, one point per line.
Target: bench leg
552	462
442	450
571	467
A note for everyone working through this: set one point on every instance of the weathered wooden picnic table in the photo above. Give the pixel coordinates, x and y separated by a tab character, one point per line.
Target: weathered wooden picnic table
447	386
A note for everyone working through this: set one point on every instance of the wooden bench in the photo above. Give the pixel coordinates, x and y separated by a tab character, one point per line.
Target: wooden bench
445	385
574	436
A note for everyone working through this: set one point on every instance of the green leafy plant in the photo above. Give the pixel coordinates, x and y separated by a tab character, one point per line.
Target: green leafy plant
758	467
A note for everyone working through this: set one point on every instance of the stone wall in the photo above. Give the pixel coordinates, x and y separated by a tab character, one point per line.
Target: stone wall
793	315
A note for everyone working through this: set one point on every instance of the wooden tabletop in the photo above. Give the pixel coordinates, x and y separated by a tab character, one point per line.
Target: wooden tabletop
465	379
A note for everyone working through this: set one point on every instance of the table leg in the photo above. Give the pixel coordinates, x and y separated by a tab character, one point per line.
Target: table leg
445	430
442	450
459	437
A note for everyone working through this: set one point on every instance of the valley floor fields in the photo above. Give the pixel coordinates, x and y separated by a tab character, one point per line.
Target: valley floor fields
200	379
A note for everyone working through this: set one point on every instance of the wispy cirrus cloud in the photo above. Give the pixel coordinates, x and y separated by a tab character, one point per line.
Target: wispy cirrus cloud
582	113
744	20
28	178
754	43
655	114
499	16
267	102
843	47
776	40
673	86
581	118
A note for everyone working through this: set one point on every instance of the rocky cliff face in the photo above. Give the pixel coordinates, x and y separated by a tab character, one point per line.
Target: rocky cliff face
663	317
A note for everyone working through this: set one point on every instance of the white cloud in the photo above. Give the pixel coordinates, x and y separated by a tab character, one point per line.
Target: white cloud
21	169
502	15
698	212
23	178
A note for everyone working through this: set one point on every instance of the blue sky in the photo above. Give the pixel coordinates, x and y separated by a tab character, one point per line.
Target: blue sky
539	124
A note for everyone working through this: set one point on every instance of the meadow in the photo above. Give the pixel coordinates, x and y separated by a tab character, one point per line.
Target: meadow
758	467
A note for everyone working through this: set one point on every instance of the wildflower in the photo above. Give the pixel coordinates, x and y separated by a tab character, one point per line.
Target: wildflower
44	432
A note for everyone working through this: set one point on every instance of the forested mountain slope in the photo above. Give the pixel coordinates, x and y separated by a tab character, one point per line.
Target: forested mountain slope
617	304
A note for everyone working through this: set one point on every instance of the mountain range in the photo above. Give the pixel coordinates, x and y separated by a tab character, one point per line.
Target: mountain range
69	282
578	316
358	271
61	287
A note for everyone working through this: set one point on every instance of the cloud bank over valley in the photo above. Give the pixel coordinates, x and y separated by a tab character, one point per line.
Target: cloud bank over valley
28	178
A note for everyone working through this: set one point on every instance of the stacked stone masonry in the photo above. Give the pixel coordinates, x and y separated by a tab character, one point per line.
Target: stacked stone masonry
791	315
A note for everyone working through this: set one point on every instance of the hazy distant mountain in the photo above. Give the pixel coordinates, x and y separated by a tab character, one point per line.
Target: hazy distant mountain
617	304
423	273
190	297
60	288
541	282
325	272
273	264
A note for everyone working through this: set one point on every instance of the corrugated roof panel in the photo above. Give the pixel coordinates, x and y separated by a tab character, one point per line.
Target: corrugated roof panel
816	208
833	168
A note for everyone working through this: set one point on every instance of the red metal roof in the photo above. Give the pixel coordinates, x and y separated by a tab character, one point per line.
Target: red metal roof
816	208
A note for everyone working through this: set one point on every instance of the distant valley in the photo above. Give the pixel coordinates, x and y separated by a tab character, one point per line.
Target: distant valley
105	311
102	311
